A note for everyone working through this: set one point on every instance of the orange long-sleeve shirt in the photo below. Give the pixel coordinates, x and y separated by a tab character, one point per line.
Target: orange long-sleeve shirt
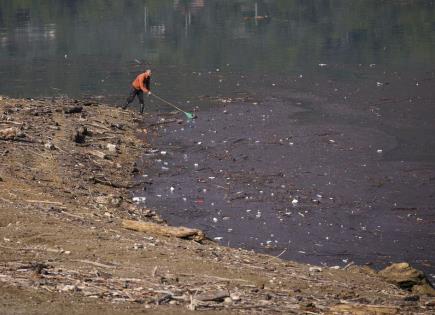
142	82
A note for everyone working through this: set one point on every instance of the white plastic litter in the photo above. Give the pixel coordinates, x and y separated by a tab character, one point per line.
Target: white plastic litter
139	199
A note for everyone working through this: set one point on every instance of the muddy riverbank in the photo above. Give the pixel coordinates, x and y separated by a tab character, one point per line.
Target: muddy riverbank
67	168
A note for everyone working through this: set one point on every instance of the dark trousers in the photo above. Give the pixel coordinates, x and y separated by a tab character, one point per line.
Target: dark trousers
131	97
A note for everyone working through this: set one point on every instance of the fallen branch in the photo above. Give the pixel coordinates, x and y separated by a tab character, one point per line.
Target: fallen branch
362	309
11	122
168	121
275	257
105	181
111	184
94	263
73	215
212	296
152	228
45	201
50	250
216	278
98	154
154	272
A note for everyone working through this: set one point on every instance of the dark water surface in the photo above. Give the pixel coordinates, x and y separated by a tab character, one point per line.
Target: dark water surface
339	79
78	47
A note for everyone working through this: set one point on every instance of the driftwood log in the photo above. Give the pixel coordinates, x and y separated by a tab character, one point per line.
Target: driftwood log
157	229
363	309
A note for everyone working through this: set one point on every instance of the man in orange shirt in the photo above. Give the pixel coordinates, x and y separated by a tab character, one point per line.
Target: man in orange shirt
140	85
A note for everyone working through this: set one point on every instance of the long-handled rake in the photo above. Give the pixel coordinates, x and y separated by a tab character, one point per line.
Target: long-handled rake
188	115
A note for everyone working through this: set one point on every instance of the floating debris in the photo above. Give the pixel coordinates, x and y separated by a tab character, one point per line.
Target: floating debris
140	199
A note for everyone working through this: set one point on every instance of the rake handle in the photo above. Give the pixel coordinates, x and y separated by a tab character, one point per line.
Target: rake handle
167	102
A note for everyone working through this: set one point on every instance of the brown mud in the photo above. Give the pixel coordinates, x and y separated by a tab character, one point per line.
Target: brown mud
66	170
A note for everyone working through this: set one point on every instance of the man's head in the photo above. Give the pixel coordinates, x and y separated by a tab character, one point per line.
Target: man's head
148	71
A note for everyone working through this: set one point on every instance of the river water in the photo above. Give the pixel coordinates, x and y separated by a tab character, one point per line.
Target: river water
296	100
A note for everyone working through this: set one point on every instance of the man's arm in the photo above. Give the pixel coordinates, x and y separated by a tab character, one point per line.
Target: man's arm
142	87
148	84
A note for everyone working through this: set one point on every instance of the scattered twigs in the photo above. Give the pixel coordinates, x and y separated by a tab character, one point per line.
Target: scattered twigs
220	278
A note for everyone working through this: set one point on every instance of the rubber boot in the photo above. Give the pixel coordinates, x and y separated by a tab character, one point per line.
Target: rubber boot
142	108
